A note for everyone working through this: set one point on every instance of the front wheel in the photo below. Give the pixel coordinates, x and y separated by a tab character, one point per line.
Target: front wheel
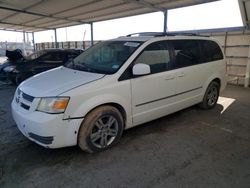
211	96
101	129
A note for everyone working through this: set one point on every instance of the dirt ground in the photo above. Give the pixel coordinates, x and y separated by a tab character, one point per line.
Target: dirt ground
191	148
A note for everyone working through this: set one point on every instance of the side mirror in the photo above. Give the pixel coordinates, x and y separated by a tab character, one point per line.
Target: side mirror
141	69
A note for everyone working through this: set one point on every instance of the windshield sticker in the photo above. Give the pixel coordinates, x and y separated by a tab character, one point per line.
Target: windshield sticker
132	44
115	66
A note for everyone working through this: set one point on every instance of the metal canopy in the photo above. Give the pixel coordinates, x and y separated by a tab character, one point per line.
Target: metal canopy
39	15
245	11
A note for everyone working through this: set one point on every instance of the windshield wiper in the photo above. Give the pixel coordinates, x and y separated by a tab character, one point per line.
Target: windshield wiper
70	63
85	67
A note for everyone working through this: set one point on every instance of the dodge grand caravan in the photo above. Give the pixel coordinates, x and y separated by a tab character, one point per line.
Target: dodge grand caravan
116	85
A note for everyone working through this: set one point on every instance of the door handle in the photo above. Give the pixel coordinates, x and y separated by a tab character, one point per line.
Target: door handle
170	77
181	75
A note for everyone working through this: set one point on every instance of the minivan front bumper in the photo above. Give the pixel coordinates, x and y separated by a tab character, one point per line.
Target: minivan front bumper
47	130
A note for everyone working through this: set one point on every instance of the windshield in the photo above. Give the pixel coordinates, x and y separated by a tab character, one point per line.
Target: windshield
36	55
105	57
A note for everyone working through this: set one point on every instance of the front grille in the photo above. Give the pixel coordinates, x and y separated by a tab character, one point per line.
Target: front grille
24	100
28	97
26	107
42	139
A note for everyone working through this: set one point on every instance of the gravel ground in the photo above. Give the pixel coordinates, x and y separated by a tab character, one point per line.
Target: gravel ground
191	148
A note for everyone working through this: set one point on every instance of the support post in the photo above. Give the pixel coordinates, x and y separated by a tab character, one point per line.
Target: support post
33	41
247	77
165	24
24	42
225	51
56	44
92	34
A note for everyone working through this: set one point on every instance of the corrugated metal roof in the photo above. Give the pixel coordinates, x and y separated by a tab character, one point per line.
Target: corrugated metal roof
245	11
39	15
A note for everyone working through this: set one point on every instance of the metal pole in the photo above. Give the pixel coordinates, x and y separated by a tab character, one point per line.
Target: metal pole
165	24
34	44
66	32
56	44
24	40
225	51
92	35
247	77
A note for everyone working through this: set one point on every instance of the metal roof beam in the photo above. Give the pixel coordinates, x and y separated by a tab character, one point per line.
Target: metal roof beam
145	4
69	9
156	6
86	12
39	14
12	30
100	9
23	25
115	12
159	8
79	6
31	6
66	10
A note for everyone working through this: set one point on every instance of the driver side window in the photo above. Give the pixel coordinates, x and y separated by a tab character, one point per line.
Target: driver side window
156	55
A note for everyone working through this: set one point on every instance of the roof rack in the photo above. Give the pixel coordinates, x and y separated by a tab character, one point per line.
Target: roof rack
147	34
160	34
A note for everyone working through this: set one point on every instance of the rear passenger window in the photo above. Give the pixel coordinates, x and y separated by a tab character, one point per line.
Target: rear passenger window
156	55
210	51
187	53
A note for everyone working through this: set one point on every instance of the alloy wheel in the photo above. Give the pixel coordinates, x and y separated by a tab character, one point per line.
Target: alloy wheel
104	131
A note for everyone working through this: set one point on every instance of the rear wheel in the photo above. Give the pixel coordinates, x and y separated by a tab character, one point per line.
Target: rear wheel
211	96
101	129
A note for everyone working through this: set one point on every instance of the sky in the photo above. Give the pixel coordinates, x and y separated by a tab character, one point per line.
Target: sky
220	14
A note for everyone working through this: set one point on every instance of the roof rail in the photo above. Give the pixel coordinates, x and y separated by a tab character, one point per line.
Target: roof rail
187	34
149	34
160	34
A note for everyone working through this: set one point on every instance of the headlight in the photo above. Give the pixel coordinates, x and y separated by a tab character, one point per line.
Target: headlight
53	105
9	68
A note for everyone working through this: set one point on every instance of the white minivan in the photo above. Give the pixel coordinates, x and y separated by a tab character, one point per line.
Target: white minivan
118	84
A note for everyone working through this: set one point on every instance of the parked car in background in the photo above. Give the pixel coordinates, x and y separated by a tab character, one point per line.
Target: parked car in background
13	57
116	85
24	67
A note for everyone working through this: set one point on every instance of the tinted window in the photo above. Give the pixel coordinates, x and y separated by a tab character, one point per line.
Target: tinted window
36	55
105	57
187	53
210	51
155	55
52	57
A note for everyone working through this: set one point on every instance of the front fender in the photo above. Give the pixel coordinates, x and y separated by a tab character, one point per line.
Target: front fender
86	106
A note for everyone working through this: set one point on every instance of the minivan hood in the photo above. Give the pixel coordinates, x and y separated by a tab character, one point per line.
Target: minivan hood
57	81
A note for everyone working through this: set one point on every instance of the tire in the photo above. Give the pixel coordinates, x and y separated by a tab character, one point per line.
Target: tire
211	96
101	129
